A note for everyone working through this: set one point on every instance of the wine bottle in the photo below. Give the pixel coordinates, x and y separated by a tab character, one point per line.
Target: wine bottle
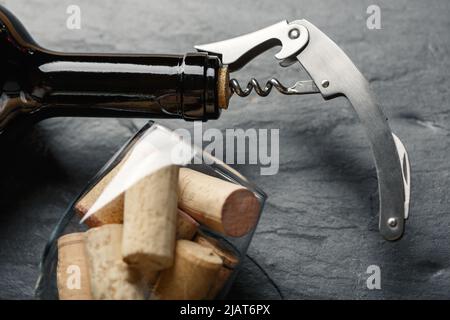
37	83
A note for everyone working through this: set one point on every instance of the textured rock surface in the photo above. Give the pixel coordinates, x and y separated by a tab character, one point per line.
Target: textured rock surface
319	231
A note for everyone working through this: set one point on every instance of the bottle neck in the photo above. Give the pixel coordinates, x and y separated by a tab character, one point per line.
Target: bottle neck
169	86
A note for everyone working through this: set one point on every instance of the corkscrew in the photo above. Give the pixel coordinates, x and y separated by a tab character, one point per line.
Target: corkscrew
332	74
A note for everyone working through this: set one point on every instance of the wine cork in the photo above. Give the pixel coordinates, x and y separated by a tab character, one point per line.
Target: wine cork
124	283
230	261
111	278
186	226
72	274
111	212
221	205
224	92
150	219
192	275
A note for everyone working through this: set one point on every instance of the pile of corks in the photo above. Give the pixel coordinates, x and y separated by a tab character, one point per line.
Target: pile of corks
146	243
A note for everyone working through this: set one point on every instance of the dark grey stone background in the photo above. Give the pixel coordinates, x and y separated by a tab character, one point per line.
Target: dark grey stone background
318	233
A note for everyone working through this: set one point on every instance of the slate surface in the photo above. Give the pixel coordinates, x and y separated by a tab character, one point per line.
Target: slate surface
318	233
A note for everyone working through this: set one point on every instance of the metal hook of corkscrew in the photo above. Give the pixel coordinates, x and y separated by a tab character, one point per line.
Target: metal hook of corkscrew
332	74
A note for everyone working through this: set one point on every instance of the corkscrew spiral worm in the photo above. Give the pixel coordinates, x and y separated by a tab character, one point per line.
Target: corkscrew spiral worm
254	84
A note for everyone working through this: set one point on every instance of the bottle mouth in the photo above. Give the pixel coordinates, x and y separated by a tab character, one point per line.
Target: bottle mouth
199	78
223	88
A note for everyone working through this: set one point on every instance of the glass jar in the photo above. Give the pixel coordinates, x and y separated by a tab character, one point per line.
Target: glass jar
199	160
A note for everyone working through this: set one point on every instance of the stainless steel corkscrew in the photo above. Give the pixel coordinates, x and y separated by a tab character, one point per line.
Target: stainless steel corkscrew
332	74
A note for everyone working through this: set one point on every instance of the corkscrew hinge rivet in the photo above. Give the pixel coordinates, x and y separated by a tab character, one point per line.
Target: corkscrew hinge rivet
294	33
325	83
392	222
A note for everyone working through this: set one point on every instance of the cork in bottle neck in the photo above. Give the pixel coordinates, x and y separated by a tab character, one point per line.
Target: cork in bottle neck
223	87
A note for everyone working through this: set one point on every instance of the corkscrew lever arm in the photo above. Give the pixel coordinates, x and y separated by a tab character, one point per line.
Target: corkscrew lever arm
332	74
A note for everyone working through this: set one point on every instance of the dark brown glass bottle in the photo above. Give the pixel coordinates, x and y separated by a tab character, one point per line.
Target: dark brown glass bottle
37	83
